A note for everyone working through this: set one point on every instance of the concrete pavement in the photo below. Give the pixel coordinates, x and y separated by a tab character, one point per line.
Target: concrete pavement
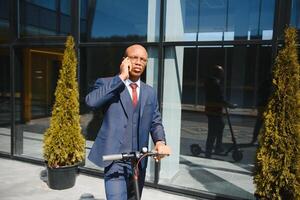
21	181
219	175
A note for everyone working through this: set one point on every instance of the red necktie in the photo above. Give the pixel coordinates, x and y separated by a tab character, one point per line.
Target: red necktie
134	94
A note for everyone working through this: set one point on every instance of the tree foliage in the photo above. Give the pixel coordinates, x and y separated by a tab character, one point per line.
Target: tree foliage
64	143
277	166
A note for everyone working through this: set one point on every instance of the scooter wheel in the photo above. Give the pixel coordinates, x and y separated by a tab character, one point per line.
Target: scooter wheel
195	149
237	155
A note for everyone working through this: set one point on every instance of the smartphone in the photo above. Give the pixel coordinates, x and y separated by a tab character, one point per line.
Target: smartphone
128	65
129	68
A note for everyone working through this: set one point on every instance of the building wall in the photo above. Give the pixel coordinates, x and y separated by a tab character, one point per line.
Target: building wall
184	38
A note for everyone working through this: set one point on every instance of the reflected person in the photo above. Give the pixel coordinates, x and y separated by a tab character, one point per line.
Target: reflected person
214	103
131	113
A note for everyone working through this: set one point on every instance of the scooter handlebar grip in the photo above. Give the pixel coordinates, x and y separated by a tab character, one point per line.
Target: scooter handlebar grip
112	157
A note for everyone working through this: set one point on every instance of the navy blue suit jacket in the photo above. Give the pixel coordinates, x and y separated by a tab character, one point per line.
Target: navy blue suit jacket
112	95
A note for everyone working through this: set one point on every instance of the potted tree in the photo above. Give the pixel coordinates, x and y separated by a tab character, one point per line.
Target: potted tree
277	173
64	144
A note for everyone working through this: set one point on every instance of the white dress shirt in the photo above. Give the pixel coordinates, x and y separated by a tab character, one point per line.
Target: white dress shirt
138	82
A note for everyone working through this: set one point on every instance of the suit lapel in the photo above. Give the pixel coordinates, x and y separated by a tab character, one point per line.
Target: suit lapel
126	100
142	98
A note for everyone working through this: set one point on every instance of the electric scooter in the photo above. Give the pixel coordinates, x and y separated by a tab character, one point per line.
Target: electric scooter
237	154
135	158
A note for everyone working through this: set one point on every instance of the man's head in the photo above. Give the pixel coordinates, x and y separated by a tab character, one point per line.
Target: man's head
217	72
138	57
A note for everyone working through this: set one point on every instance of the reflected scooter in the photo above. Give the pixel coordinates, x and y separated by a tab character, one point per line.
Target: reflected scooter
135	158
237	154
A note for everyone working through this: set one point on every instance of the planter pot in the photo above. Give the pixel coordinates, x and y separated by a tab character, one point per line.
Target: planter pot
62	177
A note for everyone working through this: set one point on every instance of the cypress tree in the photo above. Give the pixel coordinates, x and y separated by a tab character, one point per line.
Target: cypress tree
64	143
277	158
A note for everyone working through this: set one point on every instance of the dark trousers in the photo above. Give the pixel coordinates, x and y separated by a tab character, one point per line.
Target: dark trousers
215	133
119	183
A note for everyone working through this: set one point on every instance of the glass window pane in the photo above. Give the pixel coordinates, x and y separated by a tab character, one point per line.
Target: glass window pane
5	101
250	19
45	17
65	6
83	19
43	3
4	21
65	16
212	20
218	20
195	72
181	20
246	70
267	19
189	84
295	17
242	19
36	77
132	20
240	75
207	57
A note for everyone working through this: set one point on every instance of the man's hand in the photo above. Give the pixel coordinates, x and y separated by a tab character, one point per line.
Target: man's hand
125	67
162	149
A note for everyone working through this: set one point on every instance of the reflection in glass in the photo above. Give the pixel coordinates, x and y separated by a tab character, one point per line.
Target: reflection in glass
43	3
295	17
195	72
65	6
189	83
246	69
5	101
4	20
218	20
212	20
242	73
243	19
207	57
267	8
36	75
47	17
65	19
119	20
250	19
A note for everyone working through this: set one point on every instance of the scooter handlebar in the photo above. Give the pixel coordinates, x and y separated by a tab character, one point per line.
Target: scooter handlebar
121	156
125	156
112	157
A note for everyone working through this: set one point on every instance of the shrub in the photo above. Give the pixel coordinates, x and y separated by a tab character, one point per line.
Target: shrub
64	143
278	152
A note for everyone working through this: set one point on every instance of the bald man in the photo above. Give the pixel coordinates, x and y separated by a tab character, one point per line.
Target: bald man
131	115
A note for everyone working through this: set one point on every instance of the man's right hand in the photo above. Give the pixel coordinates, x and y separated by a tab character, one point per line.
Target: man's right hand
125	67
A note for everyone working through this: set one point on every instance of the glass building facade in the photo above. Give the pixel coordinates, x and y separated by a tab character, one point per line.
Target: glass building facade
184	38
